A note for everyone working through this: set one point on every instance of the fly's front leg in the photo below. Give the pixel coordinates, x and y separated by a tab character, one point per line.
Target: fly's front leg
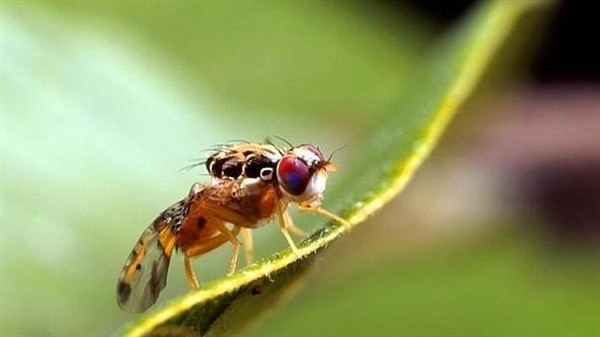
326	213
291	227
248	245
285	223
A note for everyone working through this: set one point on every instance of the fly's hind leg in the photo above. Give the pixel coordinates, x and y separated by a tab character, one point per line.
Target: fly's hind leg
207	246
197	250
190	274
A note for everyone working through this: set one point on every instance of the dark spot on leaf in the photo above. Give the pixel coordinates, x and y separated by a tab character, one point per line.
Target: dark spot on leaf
256	290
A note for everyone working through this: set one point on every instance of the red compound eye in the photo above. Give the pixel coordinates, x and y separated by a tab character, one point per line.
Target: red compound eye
293	174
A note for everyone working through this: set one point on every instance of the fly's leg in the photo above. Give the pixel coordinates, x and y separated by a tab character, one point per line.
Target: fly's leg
234	241
291	227
199	250
326	213
190	274
248	245
205	247
285	223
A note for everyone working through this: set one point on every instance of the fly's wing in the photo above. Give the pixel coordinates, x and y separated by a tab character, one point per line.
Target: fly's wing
144	274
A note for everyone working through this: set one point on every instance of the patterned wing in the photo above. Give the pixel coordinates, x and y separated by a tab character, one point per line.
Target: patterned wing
144	274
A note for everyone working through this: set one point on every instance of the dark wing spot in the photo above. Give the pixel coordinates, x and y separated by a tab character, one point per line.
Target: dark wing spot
123	291
155	283
138	266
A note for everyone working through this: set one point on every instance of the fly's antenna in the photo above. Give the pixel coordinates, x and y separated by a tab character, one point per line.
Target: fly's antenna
337	150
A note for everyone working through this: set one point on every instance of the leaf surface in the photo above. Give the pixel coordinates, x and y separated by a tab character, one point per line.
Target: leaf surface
379	167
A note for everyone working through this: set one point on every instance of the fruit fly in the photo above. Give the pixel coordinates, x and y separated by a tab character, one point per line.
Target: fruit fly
251	184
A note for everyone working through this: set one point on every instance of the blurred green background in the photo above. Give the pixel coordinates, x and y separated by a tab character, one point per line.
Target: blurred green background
104	103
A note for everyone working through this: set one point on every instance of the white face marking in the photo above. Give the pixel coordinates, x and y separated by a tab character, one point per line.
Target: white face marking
318	183
313	194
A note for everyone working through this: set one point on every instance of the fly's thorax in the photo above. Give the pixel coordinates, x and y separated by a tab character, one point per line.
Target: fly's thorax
249	201
243	161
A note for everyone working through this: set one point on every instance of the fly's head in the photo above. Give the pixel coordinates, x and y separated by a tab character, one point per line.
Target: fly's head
302	174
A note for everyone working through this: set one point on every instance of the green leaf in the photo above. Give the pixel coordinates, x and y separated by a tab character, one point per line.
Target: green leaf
102	104
380	166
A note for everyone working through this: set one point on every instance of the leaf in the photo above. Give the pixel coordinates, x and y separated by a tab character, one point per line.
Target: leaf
395	149
103	103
